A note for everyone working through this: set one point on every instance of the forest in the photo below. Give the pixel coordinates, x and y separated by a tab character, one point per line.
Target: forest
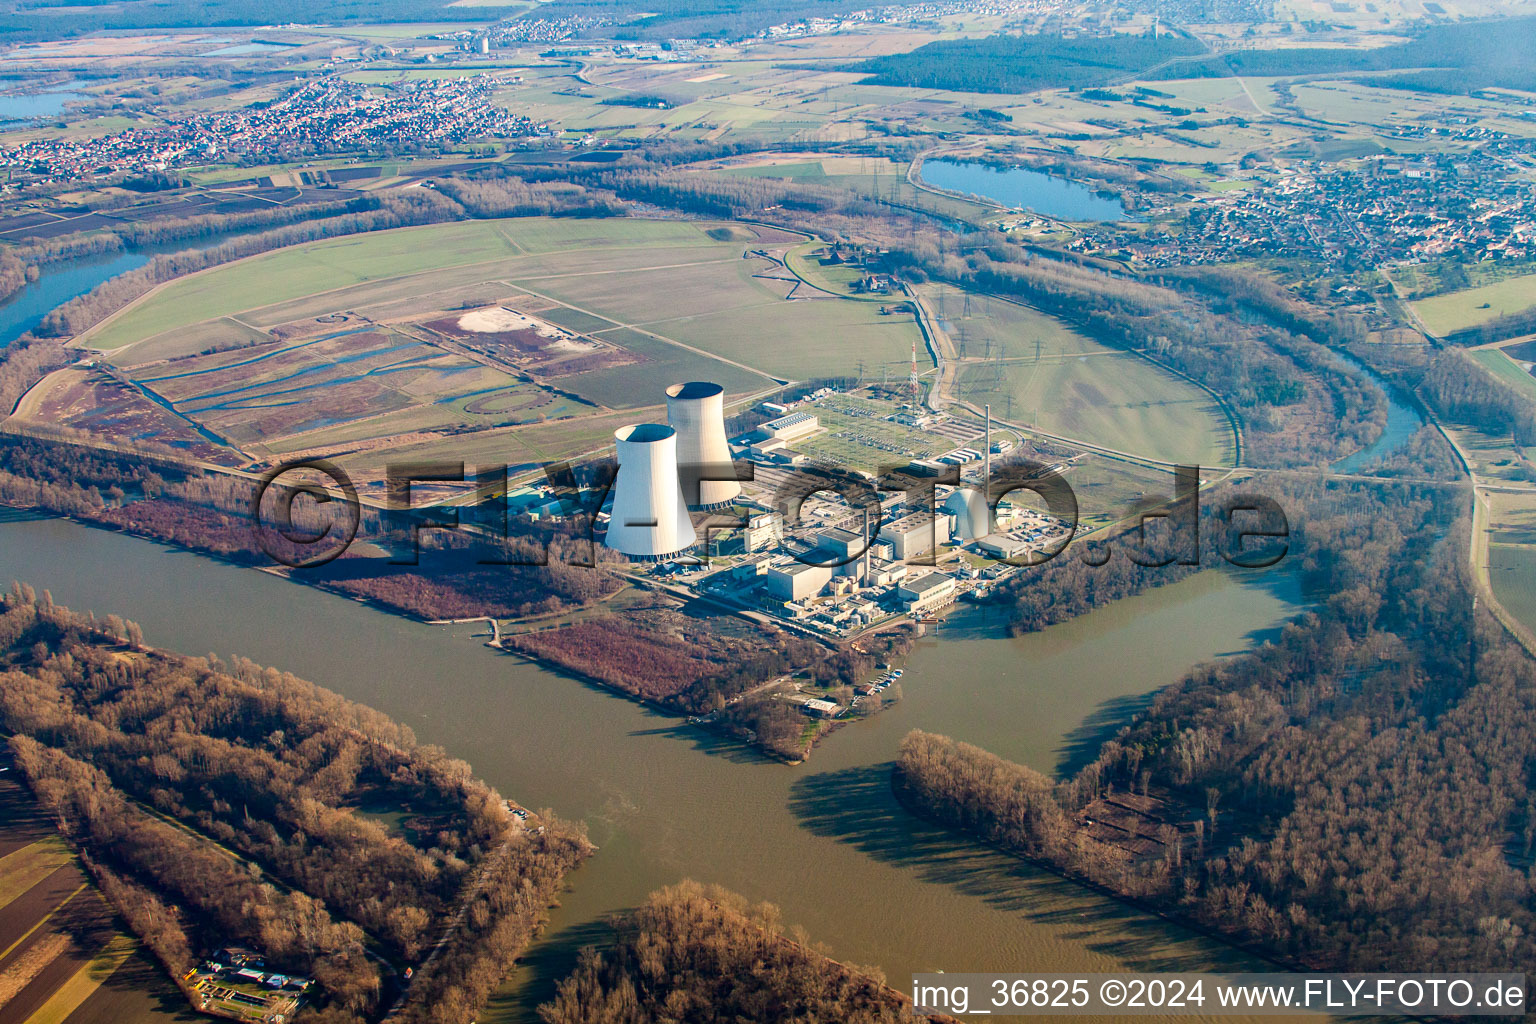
1459	389
1441	58
693	954
250	806
1456	58
1352	796
1018	64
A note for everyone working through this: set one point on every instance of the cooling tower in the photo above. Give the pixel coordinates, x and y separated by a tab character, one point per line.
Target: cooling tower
973	519
648	518
696	411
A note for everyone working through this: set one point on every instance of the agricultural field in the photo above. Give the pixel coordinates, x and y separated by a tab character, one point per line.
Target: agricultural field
1445	314
1492	457
737	309
506	337
63	959
1502	365
1036	371
509	336
1511	566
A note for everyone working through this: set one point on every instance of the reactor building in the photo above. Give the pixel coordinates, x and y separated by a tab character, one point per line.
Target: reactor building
973	516
649	516
696	411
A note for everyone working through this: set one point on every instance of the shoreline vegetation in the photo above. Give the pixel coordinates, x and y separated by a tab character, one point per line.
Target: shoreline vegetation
230	804
1350	797
692	952
684	663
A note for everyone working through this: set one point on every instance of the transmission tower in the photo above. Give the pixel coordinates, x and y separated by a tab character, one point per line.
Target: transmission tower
914	389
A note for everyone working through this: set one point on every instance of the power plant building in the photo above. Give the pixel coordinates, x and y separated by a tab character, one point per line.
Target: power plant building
915	535
927	593
797	581
696	411
793	427
968	507
763	532
649	518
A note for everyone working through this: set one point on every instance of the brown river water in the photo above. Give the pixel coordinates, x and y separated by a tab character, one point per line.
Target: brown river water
664	800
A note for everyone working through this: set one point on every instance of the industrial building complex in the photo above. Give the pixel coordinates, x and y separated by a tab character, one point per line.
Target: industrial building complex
824	564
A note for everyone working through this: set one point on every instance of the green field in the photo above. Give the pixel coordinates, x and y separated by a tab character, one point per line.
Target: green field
1444	314
1498	363
1037	371
685	300
723	308
1512	572
265	282
323	346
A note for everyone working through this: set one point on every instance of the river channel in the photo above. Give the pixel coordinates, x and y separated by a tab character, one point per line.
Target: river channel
666	801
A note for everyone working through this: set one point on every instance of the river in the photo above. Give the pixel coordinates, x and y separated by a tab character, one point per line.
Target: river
665	800
25	310
1402	421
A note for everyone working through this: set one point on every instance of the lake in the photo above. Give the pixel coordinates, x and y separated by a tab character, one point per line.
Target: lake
1021	188
16	109
246	49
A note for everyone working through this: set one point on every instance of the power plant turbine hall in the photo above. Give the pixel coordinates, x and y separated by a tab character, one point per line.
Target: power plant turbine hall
649	518
696	410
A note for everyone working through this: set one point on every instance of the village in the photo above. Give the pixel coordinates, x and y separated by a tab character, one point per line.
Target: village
1385	208
325	115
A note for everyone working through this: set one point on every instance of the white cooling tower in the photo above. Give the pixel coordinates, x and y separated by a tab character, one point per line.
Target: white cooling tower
696	411
648	518
973	519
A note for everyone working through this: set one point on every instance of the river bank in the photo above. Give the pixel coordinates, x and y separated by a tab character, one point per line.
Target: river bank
666	801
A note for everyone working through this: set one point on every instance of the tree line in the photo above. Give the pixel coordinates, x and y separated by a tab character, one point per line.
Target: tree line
272	768
695	953
1353	796
147	493
1461	389
694	665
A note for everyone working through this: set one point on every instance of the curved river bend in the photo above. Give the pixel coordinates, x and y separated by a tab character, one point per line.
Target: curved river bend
664	801
824	840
